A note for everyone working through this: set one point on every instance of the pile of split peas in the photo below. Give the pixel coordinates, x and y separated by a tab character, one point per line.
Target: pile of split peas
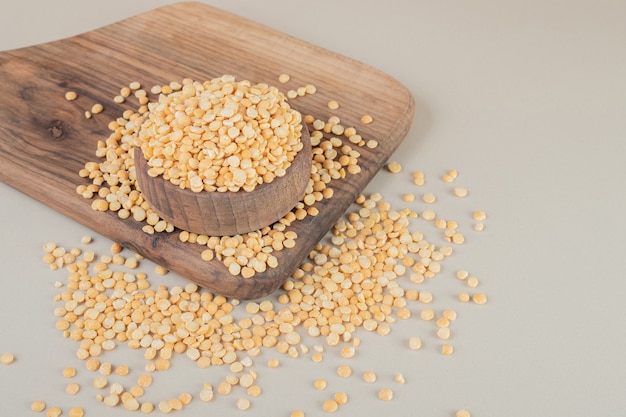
220	135
263	117
366	275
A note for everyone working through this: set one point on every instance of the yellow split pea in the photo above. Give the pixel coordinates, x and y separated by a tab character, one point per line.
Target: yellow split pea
344	371
7	358
418	178
243	403
479	215
76	412
429	198
72	388
320	384
394	167
385	394
330	406
369	376
54	412
460	192
479	298
38	406
367	119
415	343
341	398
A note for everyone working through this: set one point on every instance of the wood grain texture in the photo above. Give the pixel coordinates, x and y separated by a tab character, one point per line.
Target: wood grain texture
227	213
45	140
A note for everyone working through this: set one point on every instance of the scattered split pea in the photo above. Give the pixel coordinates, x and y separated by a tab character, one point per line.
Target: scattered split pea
146	407
341	398
385	394
394	167
97	108
54	412
425	297
418	178
429	198
369	376
330	406
451	315
72	388
460	192
427	314
76	412
428	215
344	371
254	390
415	343
320	384
443	333
479	215
38	406
447	349
333	105
7	358
479	298
372	144
161	270
243	403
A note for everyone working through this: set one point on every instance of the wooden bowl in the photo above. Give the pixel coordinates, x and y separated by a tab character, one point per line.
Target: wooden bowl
227	213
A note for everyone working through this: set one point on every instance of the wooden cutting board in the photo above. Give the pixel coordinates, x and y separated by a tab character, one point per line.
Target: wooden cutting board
45	140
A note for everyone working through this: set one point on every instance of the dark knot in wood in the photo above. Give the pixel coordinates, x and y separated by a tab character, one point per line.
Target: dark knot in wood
55	129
